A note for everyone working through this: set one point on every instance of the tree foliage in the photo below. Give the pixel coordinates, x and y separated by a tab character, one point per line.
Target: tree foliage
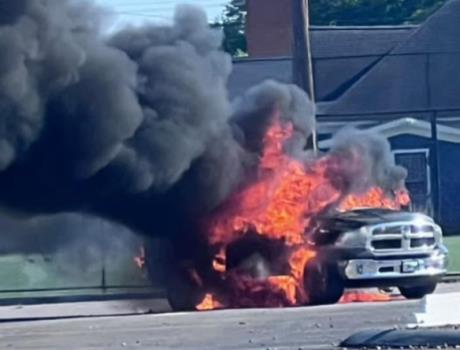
233	23
371	12
332	12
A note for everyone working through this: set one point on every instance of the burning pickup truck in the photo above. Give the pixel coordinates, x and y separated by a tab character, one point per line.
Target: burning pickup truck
376	248
295	235
357	248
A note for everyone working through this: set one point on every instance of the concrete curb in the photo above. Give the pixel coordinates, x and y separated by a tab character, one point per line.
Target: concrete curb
394	338
451	277
127	307
439	310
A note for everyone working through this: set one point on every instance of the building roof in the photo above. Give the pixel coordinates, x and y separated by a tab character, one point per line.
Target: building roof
369	70
249	72
350	41
343	54
421	72
340	55
408	126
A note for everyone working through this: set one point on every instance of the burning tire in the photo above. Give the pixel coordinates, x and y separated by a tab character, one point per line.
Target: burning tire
256	256
183	292
182	285
418	292
322	283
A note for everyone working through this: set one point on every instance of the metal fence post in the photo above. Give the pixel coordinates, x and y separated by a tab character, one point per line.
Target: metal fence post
103	278
434	165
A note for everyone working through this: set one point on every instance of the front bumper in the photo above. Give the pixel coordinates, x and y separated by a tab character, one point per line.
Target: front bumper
373	269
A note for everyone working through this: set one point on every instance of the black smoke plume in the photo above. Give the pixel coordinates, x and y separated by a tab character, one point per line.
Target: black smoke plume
136	128
113	127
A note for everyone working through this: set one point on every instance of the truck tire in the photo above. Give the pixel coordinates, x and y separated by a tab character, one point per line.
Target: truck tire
418	292
323	284
182	292
158	259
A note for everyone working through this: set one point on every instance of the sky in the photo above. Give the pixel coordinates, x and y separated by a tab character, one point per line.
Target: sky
139	11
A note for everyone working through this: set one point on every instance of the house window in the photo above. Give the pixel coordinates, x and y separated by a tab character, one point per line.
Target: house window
418	177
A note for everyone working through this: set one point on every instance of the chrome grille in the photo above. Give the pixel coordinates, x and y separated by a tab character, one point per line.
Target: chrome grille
402	237
387	244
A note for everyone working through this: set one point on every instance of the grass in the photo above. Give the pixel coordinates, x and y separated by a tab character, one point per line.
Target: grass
36	272
453	244
19	272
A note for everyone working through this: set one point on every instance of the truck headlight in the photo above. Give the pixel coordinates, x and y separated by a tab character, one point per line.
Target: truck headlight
440	258
353	239
438	234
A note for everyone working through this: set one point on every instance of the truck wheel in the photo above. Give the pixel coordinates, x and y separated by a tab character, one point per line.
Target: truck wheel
182	292
322	283
418	292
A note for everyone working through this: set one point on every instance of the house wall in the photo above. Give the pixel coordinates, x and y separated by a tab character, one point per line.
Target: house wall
268	28
449	156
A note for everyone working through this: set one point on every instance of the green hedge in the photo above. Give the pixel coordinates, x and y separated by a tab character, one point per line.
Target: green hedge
453	244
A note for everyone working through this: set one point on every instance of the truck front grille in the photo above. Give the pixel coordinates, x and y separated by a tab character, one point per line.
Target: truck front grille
402	237
387	244
421	242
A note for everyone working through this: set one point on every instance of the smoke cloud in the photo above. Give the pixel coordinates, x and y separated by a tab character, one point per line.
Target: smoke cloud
138	128
254	110
364	159
85	121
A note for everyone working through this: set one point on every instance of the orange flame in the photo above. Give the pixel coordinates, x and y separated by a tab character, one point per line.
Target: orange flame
279	206
219	262
363	296
375	198
209	303
139	260
286	284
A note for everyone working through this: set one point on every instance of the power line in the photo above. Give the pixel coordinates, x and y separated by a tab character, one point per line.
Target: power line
163	5
168	8
153	16
149	2
162	9
168	3
148	11
126	13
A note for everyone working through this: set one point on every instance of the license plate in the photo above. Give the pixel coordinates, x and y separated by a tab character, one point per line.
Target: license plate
410	266
366	268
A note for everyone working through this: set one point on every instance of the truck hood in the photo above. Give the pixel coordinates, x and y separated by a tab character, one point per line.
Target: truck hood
329	227
374	216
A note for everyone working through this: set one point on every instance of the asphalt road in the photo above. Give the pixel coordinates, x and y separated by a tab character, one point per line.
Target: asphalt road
281	329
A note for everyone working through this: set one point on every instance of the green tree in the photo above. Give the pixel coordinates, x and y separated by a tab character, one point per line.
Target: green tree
331	12
371	12
233	23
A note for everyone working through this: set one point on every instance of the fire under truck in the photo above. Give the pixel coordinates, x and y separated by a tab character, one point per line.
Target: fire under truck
354	249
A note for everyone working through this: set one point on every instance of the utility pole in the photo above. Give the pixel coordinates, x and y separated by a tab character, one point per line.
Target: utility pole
302	57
